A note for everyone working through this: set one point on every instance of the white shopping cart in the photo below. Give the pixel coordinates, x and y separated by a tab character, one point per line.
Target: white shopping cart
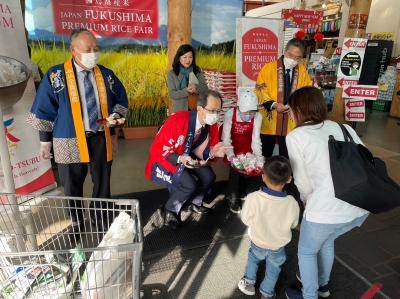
96	258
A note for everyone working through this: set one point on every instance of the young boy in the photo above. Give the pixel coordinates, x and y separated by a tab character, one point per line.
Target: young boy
270	215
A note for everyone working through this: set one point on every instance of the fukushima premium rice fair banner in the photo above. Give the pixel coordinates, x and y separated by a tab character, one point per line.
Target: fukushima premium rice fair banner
30	172
258	43
121	18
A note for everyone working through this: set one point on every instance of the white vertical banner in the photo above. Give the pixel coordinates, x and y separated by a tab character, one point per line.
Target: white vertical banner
30	172
258	41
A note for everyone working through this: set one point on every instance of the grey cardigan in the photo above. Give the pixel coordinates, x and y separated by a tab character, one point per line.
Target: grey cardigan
179	97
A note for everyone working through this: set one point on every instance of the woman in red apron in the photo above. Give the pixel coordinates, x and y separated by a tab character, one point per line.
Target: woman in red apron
241	132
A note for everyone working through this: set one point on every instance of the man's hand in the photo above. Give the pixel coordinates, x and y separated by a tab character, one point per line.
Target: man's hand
115	119
280	108
219	150
45	148
186	160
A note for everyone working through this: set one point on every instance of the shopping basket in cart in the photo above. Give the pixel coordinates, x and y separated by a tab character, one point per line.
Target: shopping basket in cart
43	255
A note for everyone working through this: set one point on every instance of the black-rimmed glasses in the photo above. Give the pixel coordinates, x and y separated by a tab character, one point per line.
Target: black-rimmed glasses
216	111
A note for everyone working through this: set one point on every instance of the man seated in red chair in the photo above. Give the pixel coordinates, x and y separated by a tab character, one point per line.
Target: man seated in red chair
179	157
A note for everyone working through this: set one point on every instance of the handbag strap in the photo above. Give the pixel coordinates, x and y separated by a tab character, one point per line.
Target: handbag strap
347	136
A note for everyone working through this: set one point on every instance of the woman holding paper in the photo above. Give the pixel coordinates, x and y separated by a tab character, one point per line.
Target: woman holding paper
185	81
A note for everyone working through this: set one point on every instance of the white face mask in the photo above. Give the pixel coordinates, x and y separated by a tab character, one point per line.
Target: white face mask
211	118
289	63
89	60
246	117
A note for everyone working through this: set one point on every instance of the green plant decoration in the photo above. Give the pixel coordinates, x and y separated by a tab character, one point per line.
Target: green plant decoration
142	116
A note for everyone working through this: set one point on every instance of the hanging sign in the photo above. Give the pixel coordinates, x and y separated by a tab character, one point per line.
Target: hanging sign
257	44
306	20
364	92
351	61
128	18
354	110
358	21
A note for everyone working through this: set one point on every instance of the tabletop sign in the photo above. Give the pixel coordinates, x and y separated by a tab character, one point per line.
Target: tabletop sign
354	110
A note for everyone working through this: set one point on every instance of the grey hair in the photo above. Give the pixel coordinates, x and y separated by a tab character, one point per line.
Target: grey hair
76	32
202	101
296	42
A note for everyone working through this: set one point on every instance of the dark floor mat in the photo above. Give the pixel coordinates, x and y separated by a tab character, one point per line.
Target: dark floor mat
193	239
197	230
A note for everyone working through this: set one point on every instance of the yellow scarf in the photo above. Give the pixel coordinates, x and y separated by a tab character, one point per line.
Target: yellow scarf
74	99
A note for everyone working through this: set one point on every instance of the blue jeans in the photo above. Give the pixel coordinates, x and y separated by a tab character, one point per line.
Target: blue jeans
316	252
273	262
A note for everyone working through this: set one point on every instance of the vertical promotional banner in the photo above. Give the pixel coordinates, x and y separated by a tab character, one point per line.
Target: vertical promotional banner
30	172
127	19
257	43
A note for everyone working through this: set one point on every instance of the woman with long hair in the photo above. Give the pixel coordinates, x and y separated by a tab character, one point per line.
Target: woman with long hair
185	80
325	217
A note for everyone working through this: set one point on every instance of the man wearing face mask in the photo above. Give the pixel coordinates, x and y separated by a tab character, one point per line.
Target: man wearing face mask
70	100
275	82
241	135
179	157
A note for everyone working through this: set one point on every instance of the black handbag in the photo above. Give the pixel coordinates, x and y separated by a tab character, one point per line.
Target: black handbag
359	178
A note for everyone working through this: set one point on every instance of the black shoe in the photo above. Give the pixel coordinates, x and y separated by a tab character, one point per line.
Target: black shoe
199	209
171	219
235	208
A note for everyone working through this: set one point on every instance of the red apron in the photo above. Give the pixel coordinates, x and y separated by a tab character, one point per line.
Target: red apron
241	134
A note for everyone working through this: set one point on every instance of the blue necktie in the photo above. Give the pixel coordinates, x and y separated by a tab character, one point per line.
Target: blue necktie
288	86
91	104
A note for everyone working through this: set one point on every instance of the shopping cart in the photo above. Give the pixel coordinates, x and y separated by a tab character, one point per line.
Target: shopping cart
43	254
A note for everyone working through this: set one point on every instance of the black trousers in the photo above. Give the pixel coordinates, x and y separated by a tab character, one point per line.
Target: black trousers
72	177
239	185
194	185
268	143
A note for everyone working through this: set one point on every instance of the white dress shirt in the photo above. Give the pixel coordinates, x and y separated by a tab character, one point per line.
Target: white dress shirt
80	77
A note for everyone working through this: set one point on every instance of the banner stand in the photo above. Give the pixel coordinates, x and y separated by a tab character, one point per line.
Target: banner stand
10	186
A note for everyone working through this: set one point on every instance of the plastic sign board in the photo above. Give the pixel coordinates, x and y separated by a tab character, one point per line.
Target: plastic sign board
342	81
354	110
351	60
362	92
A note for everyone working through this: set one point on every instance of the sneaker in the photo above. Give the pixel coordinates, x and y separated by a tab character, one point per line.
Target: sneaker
324	291
199	209
293	294
246	288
